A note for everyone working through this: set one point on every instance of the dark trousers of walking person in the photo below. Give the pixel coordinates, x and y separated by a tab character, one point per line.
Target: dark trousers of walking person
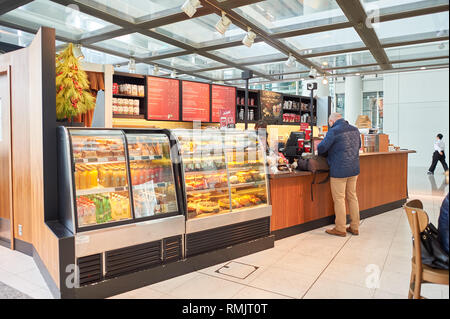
438	158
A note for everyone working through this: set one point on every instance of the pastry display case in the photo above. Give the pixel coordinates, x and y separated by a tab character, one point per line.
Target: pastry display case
224	171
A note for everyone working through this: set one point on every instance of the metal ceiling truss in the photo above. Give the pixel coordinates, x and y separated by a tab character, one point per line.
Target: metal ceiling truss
352	9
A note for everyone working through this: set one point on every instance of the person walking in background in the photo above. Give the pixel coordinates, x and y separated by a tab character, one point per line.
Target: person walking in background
438	155
341	147
443	225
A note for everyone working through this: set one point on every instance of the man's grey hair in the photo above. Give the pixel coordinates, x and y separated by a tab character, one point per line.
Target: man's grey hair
335	116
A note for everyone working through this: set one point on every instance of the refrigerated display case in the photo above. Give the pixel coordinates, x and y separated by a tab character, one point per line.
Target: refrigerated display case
120	195
226	188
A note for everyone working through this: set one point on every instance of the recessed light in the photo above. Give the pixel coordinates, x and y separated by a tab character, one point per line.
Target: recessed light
325	63
423	68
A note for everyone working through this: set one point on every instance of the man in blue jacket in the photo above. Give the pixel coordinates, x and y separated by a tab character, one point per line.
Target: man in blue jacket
341	147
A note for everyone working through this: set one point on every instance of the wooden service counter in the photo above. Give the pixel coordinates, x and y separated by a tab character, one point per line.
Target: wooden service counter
382	186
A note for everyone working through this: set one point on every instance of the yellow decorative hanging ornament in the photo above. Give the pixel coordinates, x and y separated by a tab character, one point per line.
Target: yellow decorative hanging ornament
72	86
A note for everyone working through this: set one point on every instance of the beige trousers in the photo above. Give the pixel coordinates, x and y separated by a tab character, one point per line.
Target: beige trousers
345	189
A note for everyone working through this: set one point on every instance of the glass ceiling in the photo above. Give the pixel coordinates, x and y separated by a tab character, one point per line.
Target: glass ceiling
275	16
119	30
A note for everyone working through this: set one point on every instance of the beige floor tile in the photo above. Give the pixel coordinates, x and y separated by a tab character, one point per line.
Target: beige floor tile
263	258
255	293
34	276
17	264
350	273
325	288
18	283
325	239
303	264
432	291
282	281
169	285
395	282
141	293
287	244
41	293
314	249
380	294
207	287
246	280
362	257
399	264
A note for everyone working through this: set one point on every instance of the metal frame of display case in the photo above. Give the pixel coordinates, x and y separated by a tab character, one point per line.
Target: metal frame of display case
233	221
99	239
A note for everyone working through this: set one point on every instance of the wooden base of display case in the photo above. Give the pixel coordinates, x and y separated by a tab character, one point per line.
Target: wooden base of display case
70	124
129	116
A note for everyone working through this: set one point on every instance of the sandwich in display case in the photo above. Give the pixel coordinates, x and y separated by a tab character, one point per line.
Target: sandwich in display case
120	197
226	188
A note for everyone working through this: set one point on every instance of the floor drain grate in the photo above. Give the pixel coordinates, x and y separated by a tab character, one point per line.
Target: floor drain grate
237	270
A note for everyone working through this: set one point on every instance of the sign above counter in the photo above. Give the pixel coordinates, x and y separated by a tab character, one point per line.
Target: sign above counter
196	101
163	99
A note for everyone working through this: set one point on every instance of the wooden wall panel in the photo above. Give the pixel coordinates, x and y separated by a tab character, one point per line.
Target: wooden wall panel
27	152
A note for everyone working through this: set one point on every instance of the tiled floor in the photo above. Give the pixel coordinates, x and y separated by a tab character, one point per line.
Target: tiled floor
375	264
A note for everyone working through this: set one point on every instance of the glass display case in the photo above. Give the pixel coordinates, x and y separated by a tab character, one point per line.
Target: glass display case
97	168
152	176
224	171
100	177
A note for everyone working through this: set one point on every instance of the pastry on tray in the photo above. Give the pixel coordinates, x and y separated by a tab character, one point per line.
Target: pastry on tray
207	207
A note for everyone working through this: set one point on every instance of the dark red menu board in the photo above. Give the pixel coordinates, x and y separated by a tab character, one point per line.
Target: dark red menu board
163	99
195	101
223	98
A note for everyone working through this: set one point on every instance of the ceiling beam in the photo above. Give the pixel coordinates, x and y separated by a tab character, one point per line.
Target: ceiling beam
356	14
9	5
413	13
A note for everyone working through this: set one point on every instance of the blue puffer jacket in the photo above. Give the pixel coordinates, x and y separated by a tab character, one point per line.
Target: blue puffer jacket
443	224
342	144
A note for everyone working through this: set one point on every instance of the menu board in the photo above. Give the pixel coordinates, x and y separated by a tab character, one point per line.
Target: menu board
271	103
196	106
223	98
163	99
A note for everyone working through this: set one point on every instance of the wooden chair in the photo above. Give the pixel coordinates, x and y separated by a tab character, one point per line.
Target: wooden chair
418	221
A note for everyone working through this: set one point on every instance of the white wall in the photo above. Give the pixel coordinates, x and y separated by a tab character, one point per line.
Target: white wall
416	109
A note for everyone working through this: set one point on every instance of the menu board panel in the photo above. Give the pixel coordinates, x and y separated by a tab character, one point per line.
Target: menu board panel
196	104
271	103
163	99
223	99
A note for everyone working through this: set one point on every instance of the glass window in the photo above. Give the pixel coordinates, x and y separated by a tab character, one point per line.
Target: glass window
341	60
68	21
340	104
142	9
224	74
418	51
373	108
357	70
276	16
94	56
138	45
325	41
16	37
190	62
396	6
415	28
278	68
421	63
259	51
200	32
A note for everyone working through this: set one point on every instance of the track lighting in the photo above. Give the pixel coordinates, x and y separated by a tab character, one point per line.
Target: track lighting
312	73
156	70
190	7
324	80
132	66
173	74
249	38
291	61
223	24
76	49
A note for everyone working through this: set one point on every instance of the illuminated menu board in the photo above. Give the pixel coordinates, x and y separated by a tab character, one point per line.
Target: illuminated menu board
196	106
223	98
163	99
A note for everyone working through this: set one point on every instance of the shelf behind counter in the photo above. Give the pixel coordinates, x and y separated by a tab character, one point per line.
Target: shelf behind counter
382	186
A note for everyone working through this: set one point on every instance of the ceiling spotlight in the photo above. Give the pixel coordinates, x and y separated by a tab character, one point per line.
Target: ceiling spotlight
223	24
249	38
291	61
312	73
132	66
423	68
173	74
156	70
325	63
324	80
190	7
76	49
357	74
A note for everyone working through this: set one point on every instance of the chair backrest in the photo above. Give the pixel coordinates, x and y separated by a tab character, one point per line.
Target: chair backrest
418	221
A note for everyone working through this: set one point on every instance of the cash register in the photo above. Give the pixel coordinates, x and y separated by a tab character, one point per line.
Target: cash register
294	147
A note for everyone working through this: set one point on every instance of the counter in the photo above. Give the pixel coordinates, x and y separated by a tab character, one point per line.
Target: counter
382	186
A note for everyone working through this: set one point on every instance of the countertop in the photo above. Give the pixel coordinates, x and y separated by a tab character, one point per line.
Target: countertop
306	173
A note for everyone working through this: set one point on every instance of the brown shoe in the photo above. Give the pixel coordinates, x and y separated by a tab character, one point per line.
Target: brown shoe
353	232
335	232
